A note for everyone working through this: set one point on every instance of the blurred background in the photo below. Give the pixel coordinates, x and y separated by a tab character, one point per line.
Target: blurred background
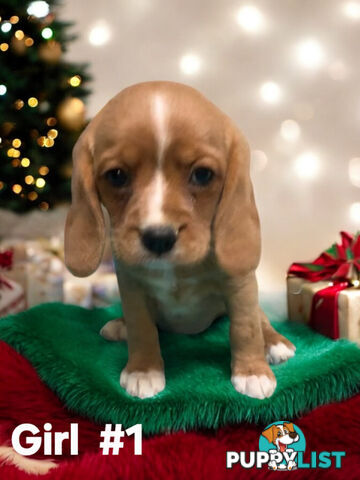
288	72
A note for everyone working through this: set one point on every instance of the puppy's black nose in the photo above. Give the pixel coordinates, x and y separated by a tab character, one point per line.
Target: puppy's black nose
159	239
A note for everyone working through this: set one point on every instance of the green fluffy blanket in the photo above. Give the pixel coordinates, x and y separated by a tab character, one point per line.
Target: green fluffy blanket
63	344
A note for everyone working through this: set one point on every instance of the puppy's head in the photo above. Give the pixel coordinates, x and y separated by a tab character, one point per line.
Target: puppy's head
173	173
281	435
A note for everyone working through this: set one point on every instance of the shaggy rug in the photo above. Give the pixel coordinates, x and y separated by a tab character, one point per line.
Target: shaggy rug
193	455
63	344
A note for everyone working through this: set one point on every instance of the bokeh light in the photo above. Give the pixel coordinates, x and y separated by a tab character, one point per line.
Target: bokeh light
250	19
190	64
307	165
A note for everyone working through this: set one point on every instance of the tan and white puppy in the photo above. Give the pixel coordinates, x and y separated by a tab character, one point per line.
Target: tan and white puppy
172	171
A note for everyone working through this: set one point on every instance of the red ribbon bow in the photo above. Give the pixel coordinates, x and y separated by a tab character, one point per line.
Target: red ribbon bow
340	264
6	260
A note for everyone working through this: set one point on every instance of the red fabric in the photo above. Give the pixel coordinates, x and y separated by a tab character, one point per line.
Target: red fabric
192	455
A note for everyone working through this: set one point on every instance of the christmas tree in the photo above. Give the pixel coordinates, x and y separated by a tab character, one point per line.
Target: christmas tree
41	105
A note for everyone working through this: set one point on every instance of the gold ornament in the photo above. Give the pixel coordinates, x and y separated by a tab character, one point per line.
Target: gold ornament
71	113
50	52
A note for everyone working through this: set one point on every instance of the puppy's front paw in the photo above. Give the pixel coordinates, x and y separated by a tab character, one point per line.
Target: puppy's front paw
142	384
114	330
280	352
256	383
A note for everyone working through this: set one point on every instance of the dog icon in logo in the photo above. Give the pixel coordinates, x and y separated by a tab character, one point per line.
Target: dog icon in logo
281	436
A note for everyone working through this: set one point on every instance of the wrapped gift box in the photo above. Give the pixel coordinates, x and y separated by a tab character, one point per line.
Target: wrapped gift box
325	293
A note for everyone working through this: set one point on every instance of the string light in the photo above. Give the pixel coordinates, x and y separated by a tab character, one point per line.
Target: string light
32	196
51	121
310	54
75	81
41	141
259	160
43	170
16	143
354	212
19	104
354	171
290	130
29	179
19	34
14	19
15	163
99	34
46	33
25	162
33	102
3	89
29	42
53	133
4	47
307	166
40	183
16	188
48	142
270	92
38	9
190	64
250	19
44	206
6	27
2	185
352	10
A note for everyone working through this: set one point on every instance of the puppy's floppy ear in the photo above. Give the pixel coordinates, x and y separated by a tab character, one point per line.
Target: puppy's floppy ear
289	426
269	434
236	225
85	227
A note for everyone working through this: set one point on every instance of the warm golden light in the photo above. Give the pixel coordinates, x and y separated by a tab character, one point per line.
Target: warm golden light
41	141
19	34
29	42
43	170
1	185
75	81
15	162
33	102
52	133
40	183
25	162
29	179
10	152
19	104
44	206
4	47
16	143
51	121
48	142
16	188
14	19
32	196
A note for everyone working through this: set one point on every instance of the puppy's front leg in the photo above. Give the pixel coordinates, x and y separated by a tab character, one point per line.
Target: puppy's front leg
143	375
250	373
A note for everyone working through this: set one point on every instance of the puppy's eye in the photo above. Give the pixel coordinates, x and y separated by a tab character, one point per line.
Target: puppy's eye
117	177
201	176
279	434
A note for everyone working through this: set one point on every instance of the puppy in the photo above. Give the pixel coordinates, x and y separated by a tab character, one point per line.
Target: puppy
172	171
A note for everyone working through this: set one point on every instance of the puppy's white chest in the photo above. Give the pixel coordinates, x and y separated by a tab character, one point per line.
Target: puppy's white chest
185	304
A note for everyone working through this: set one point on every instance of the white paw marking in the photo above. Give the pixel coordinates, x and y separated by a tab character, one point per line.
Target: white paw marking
114	330
143	384
279	353
254	386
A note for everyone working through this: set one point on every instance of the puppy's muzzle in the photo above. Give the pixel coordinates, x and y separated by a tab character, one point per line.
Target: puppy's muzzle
158	239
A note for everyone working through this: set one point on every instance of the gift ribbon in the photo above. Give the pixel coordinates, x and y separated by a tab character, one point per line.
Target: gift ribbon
6	259
339	264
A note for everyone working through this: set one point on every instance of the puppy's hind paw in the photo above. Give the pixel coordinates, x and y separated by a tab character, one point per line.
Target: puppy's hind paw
114	330
142	384
279	353
255	386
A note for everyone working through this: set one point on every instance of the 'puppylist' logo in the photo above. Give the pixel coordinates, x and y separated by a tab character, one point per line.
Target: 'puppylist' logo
281	447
